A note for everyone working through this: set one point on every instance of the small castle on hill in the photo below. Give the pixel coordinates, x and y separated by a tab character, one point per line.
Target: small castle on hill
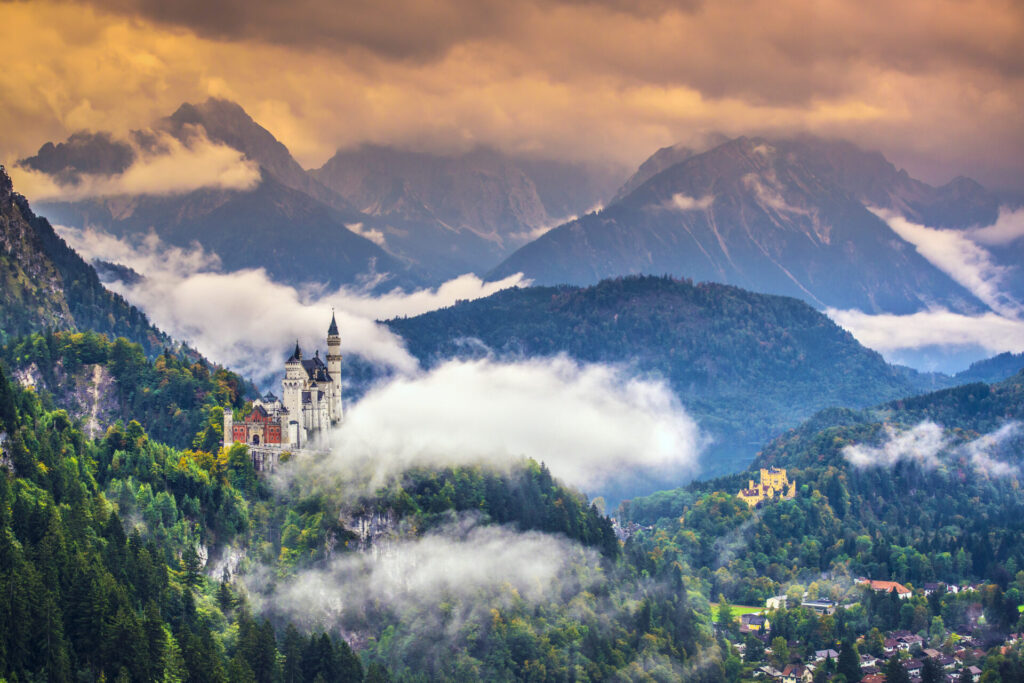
775	485
310	403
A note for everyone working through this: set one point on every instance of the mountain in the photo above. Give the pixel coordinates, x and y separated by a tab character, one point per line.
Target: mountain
227	123
294	237
460	213
746	365
288	223
785	217
47	285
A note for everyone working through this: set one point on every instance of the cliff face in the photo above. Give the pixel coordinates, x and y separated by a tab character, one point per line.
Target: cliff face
32	295
46	285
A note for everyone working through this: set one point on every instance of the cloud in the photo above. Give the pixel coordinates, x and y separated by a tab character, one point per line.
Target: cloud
928	444
981	451
936	87
246	320
1008	228
470	568
168	167
681	202
952	252
922	444
375	236
593	425
941	327
770	197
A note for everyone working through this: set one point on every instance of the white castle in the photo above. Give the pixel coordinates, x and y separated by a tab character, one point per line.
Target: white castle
310	404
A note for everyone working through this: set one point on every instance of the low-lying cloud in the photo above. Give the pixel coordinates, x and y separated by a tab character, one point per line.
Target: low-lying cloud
937	327
591	424
247	321
469	567
681	202
1008	228
167	166
955	254
929	445
922	444
375	236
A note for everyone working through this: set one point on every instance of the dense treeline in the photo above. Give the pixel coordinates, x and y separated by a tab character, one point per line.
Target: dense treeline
528	497
172	394
111	551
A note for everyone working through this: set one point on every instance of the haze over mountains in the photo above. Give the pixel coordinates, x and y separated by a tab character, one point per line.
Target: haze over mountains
822	220
417	218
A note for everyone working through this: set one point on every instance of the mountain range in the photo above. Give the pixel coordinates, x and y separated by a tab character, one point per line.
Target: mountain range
417	218
803	217
797	217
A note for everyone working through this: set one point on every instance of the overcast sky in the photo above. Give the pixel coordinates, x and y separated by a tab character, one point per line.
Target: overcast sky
935	84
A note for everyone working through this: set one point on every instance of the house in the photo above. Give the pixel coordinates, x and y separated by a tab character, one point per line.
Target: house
753	623
822	655
768	671
890	645
888	587
975	673
796	673
775	602
930	588
873	678
947	662
820	607
868	660
913	667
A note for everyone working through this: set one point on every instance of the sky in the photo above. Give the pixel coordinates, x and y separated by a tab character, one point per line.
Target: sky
935	84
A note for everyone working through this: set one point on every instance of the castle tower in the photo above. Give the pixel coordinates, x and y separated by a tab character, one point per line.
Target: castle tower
291	385
334	369
229	424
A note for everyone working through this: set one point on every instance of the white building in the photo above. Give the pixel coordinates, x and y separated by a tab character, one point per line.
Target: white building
310	402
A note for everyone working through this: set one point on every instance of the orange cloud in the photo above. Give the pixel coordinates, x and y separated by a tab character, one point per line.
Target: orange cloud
936	84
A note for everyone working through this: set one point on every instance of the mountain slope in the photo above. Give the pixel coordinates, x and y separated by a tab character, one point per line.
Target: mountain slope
777	217
294	237
289	223
746	365
47	285
459	213
226	122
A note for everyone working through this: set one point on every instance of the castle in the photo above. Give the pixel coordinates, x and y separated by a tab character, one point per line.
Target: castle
310	403
774	485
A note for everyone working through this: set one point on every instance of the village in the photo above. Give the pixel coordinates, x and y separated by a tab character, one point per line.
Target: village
929	655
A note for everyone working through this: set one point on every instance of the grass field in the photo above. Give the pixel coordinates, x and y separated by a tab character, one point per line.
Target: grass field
737	610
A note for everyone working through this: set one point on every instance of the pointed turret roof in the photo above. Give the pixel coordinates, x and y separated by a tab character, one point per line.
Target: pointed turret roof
296	354
333	329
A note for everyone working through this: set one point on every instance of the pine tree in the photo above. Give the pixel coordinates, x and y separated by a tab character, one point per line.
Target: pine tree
849	661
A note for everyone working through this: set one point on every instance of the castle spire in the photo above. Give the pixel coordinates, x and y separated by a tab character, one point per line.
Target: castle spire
333	329
297	354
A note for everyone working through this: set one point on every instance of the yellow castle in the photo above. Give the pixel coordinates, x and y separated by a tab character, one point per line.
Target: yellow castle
774	485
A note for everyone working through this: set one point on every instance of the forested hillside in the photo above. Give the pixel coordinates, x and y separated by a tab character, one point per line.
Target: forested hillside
102	381
46	285
919	490
116	564
746	365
